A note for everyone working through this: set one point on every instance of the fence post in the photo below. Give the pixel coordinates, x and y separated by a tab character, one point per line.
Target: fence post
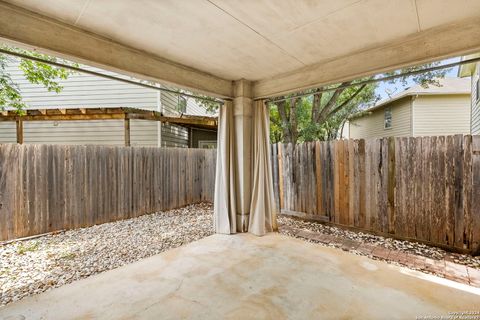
19	123
126	128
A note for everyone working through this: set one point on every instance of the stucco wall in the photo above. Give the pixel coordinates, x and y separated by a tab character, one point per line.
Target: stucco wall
372	125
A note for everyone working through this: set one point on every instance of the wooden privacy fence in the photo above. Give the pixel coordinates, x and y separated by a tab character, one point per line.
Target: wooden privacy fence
425	188
46	188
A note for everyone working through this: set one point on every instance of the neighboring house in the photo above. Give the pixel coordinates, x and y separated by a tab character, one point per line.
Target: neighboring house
418	111
472	70
83	91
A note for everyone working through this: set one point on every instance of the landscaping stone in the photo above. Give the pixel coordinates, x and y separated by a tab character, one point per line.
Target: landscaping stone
389	243
452	266
36	265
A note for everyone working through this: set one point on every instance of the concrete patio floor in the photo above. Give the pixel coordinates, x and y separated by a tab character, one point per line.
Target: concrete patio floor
248	277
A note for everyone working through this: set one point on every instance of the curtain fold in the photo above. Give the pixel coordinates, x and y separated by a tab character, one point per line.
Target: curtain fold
224	207
263	217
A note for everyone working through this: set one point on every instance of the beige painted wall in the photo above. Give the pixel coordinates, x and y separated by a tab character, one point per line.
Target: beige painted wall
475	122
441	115
372	125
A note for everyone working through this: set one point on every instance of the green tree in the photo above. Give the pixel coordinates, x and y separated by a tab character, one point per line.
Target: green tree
322	114
35	72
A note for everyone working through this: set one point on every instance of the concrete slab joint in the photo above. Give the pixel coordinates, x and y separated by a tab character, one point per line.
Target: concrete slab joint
243	105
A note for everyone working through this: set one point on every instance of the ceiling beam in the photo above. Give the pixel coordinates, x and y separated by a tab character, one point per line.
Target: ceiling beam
433	44
54	37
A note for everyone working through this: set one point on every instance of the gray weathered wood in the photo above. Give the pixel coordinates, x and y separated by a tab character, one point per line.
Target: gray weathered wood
45	188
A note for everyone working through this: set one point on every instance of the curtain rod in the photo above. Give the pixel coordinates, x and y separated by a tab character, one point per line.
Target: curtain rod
382	79
99	74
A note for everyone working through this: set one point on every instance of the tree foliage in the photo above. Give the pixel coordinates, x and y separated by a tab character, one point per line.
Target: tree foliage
35	72
322	114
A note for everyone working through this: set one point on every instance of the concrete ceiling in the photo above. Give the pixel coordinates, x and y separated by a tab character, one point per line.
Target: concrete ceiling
251	39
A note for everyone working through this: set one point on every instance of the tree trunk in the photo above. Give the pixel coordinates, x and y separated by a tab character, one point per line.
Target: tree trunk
285	121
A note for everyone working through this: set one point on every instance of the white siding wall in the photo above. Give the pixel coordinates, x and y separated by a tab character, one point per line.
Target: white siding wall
74	132
441	115
475	122
172	135
372	125
8	132
83	90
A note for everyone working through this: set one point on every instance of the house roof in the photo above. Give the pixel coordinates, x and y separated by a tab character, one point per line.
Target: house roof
466	70
447	86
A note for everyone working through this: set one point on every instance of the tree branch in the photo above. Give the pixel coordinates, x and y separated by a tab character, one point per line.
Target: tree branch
285	123
340	107
317	102
293	120
331	103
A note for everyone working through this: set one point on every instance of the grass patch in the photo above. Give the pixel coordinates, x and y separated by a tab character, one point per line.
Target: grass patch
27	247
67	255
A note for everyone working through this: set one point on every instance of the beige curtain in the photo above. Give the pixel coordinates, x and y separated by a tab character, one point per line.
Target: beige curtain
224	207
262	207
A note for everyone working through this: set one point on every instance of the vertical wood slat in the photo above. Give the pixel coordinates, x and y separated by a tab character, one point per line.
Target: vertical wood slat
320	209
415	187
281	172
46	188
475	196
458	187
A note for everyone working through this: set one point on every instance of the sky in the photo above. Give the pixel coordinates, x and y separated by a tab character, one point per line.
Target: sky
398	87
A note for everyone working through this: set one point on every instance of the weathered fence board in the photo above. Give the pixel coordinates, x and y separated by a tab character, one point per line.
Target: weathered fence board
45	188
423	188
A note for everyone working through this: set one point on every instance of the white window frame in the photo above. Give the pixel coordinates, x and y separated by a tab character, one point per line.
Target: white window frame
389	110
203	143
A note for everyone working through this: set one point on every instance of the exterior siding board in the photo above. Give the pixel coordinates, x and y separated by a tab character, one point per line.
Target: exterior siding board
8	133
174	136
372	125
75	132
143	133
475	122
83	90
441	115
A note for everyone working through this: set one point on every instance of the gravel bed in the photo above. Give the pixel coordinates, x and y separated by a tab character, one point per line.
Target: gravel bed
407	246
34	266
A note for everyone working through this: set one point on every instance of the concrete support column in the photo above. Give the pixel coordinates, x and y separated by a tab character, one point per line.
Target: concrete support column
243	110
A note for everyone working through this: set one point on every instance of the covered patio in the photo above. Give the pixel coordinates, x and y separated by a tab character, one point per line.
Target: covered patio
244	53
248	277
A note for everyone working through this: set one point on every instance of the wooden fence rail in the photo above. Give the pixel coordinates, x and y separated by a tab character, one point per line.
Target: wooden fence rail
425	188
45	188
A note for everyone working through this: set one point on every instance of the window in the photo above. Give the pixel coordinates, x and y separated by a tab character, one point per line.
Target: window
388	118
207	144
182	104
